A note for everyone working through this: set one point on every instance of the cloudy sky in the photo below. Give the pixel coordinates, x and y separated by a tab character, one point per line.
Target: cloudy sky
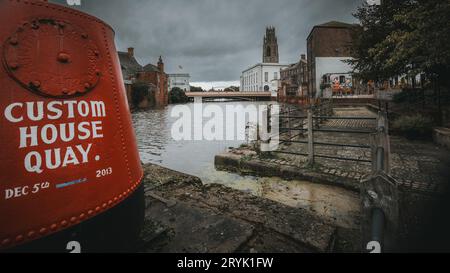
214	40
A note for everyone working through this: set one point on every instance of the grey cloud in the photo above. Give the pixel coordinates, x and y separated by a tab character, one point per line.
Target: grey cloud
214	40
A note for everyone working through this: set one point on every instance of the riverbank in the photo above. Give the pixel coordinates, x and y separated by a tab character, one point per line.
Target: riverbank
183	215
420	169
250	203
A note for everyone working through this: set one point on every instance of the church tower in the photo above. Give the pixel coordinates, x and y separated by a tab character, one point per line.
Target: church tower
270	47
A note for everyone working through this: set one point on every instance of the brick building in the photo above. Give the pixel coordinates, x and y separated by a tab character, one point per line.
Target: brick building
130	67
328	46
154	76
294	83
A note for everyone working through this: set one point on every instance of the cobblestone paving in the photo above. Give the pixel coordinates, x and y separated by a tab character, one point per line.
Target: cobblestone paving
417	166
353	123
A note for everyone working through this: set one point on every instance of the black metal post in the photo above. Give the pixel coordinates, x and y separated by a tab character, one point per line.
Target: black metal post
378	222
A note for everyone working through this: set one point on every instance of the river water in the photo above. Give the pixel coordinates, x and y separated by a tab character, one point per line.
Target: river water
196	157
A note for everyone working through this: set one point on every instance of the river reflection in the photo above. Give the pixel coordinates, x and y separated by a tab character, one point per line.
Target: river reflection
156	145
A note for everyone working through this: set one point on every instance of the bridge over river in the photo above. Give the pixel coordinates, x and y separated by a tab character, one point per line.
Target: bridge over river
249	96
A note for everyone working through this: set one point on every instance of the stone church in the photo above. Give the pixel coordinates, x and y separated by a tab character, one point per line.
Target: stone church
270	45
264	76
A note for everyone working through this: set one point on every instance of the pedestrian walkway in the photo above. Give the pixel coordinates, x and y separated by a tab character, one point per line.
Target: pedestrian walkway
418	166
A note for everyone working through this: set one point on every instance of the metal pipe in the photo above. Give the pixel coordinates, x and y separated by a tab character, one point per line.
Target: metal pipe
292	129
289	153
380	159
342	145
330	144
344	131
291	117
344	118
343	158
324	156
378	223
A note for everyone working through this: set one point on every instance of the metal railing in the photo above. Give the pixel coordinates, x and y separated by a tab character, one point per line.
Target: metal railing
379	193
296	121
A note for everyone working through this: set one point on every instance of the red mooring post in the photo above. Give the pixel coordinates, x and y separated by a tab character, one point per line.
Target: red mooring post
68	149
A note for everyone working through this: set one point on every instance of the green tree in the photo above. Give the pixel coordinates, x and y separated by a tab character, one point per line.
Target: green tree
231	89
403	37
176	95
422	45
196	89
377	22
139	91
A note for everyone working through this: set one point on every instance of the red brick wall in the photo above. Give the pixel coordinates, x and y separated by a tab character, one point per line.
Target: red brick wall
128	92
326	42
330	42
160	80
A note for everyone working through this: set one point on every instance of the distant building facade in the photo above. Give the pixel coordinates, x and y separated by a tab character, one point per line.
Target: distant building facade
156	75
150	74
180	80
130	68
293	87
328	46
264	76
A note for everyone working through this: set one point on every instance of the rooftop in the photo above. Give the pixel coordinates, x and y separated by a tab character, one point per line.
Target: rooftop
333	24
150	68
128	64
336	24
264	64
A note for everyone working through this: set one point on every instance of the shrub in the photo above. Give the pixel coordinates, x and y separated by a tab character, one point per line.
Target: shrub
176	95
400	97
408	95
413	126
139	91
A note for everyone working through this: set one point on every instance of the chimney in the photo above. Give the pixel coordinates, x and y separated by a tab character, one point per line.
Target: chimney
131	51
160	64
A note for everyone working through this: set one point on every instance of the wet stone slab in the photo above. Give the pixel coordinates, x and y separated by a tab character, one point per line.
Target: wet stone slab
194	230
183	215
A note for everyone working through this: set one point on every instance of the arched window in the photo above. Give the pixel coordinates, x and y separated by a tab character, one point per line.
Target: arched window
268	51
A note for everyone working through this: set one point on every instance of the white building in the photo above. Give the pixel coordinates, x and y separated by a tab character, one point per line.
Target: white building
261	77
264	76
180	80
334	66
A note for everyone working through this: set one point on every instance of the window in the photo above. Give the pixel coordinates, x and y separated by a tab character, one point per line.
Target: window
275	75
268	51
266	76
